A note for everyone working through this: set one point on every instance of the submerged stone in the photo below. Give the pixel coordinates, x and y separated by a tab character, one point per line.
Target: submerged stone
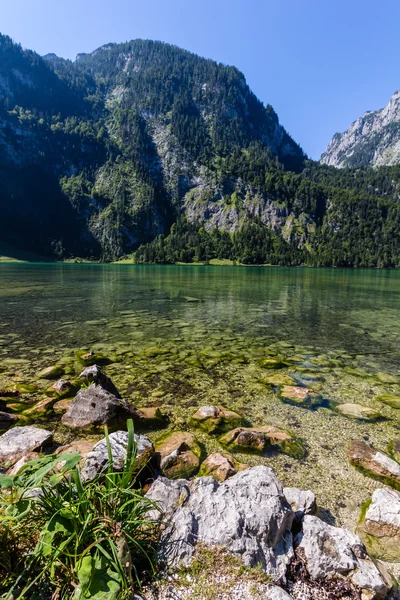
386	378
213	419
273	363
53	372
278	379
40	408
389	399
374	463
93	358
357	411
299	396
258	439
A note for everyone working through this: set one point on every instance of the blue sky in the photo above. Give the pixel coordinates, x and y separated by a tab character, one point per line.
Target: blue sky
320	63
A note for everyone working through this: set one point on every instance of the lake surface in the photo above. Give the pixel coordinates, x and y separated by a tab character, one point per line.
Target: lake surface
182	337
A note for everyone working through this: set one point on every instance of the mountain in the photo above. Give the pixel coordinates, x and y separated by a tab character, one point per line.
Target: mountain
372	140
149	149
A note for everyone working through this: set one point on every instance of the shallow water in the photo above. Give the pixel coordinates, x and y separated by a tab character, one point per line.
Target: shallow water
183	336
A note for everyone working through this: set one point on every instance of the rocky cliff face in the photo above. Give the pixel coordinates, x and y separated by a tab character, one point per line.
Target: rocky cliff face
372	140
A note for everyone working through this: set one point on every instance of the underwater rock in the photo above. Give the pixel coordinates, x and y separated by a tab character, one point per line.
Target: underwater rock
40	408
386	378
331	552
393	449
95	407
389	399
97	460
258	439
179	454
93	358
6	420
18	441
63	388
299	396
148	417
94	374
247	514
357	411
215	419
218	466
9	393
374	463
303	502
278	379
379	528
53	372
273	363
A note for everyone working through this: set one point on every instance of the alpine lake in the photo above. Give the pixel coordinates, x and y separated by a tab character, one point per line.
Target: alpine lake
181	337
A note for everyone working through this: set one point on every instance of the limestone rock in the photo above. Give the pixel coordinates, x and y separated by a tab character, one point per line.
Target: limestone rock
334	552
7	419
247	514
380	527
357	411
277	593
95	374
95	407
218	466
97	460
179	454
374	463
258	439
303	502
18	441
213	419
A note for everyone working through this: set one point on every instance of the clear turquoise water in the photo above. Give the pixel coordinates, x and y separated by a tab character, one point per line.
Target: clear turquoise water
182	337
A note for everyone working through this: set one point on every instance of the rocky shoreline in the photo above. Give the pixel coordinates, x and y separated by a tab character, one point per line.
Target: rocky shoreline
229	505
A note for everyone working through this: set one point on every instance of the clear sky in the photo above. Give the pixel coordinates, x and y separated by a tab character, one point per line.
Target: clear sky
320	63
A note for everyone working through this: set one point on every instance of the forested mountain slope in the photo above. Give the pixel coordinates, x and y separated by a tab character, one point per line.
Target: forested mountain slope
102	156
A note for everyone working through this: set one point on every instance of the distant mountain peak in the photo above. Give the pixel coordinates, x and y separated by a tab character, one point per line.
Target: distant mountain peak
371	140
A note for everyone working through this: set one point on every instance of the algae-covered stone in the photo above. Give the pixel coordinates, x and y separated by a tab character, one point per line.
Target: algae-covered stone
374	463
357	411
389	399
213	419
278	379
379	528
258	439
63	388
61	406
219	466
40	408
387	378
93	358
53	372
179	454
273	363
298	396
148	417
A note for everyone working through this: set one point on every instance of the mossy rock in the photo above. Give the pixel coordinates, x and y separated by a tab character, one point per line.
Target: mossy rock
296	395
64	389
278	379
356	372
27	388
180	454
93	358
40	408
358	412
154	351
220	466
259	439
390	400
393	449
216	419
386	378
61	406
379	525
149	417
53	372
273	363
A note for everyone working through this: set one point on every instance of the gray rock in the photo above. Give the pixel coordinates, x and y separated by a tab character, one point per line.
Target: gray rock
17	442
332	551
95	407
303	502
97	460
95	374
167	495
247	514
277	593
380	527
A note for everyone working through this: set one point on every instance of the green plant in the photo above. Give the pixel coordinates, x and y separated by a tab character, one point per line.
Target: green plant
92	539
